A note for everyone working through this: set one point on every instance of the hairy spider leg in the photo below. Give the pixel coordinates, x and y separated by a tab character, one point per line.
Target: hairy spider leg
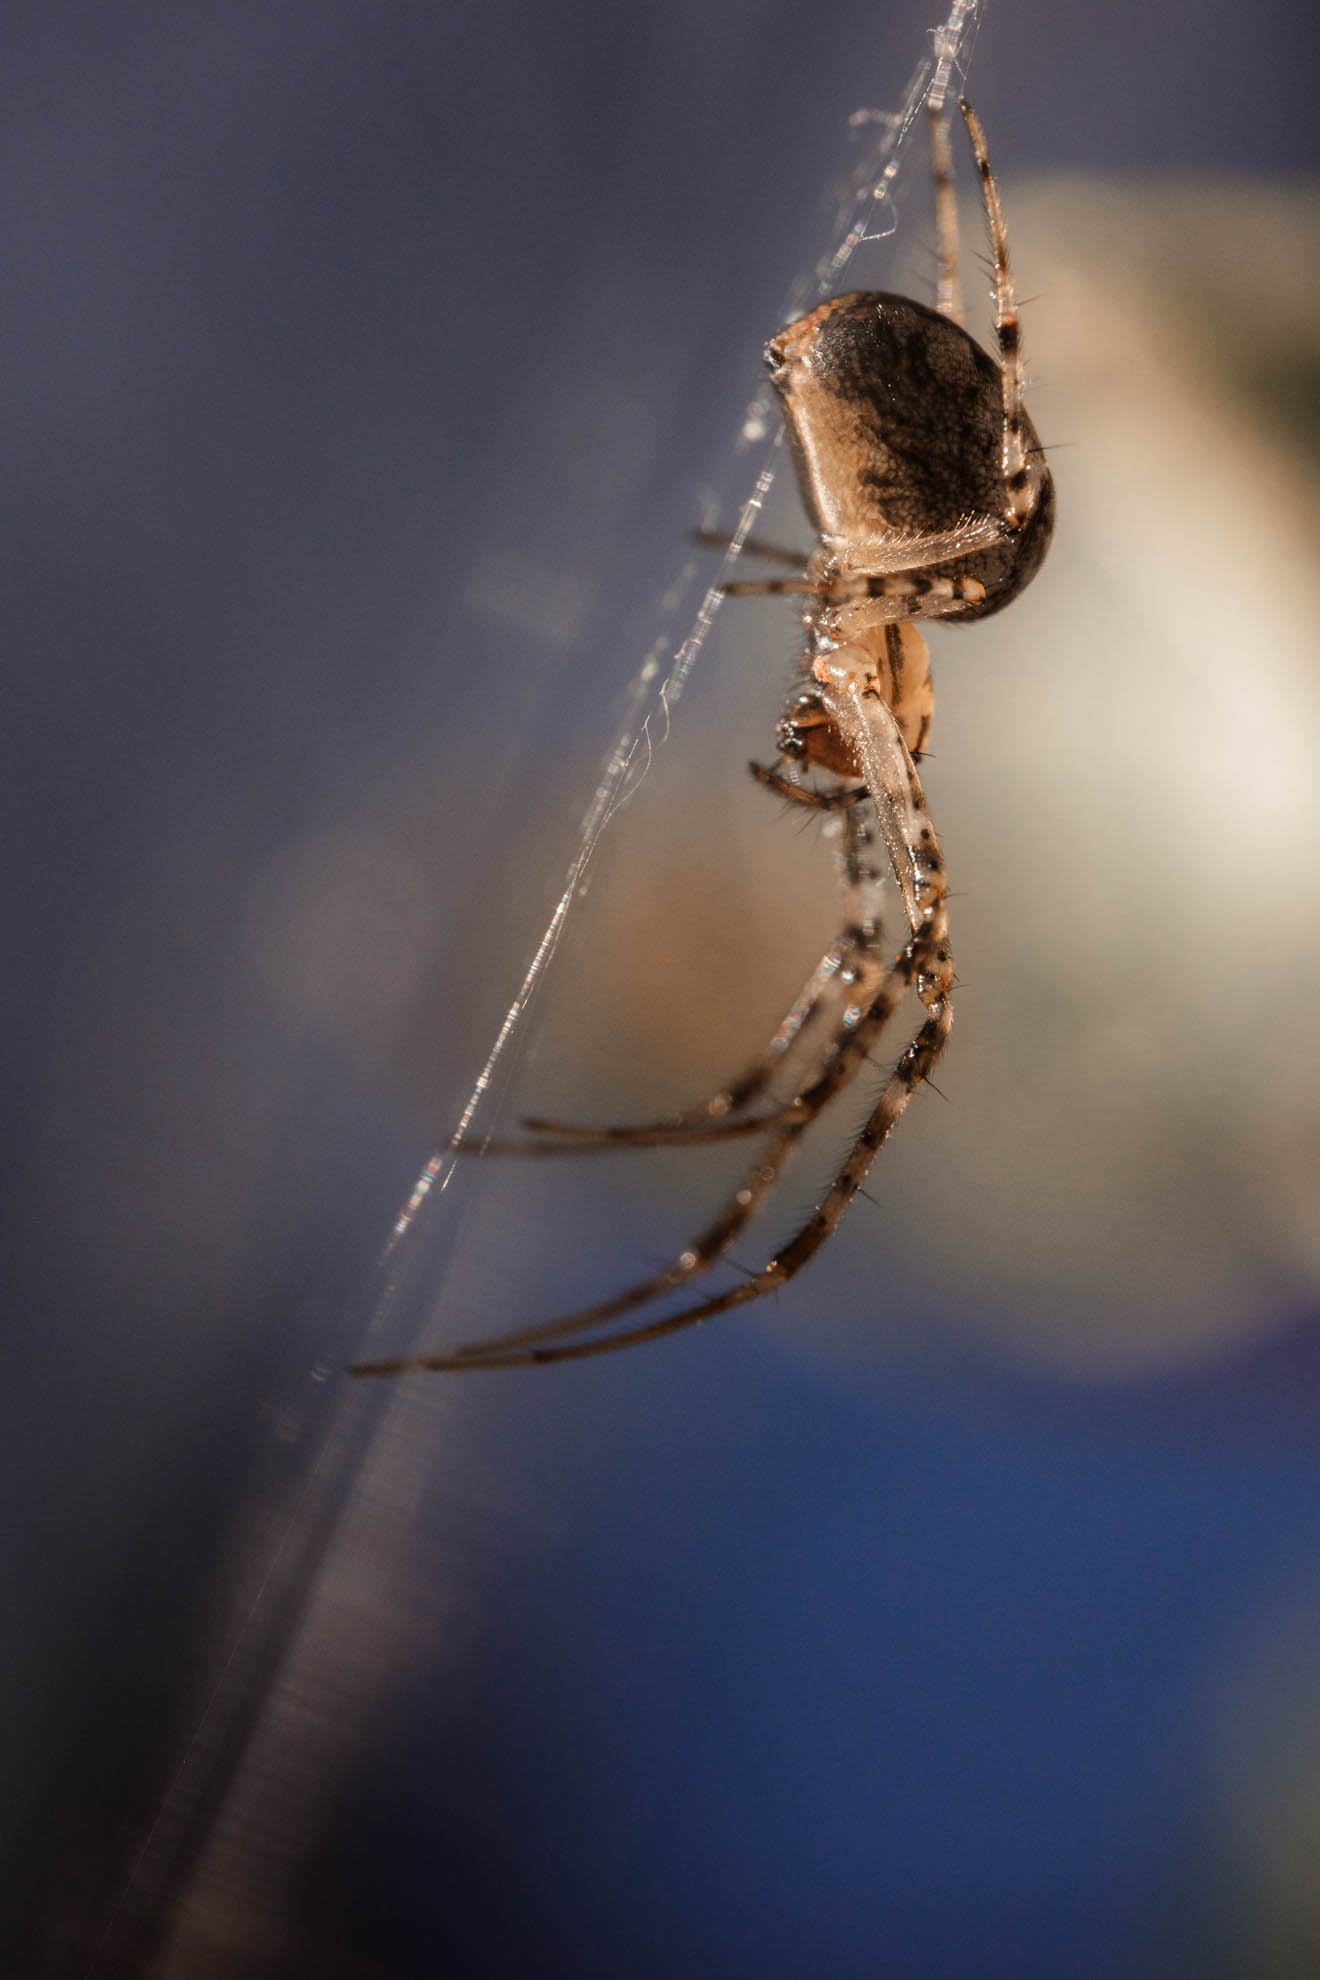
948	290
1008	335
540	1345
906	554
785	787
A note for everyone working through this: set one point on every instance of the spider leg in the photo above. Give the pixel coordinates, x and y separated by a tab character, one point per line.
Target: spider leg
916	1064
926	963
926	959
531	1344
751	546
948	294
893	567
722	1116
848	972
865	584
948	593
1017	479
547	1137
785	787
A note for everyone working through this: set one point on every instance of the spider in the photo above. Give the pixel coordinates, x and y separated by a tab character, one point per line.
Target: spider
928	491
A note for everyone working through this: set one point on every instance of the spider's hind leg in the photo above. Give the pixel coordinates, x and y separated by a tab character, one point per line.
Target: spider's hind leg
856	1036
786	787
924	963
847	974
724	1115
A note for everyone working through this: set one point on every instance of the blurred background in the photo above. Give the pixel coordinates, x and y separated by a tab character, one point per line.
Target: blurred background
955	1612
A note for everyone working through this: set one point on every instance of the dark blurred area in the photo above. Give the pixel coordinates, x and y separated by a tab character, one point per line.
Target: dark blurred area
367	369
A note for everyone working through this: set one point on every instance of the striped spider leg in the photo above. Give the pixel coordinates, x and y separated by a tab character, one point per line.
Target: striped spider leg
850	969
928	491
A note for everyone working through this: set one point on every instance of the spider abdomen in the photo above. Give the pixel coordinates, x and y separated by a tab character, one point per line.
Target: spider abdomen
896	420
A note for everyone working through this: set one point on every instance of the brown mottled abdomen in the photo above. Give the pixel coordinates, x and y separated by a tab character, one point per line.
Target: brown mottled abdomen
895	417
